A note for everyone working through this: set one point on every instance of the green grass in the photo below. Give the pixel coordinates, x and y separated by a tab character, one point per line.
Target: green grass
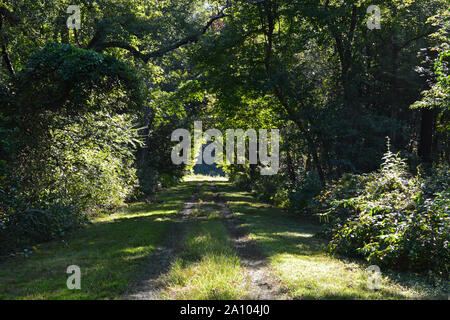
299	259
109	252
114	249
208	267
201	177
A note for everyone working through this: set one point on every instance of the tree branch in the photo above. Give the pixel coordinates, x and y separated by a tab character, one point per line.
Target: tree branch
6	60
160	52
5	55
9	16
418	37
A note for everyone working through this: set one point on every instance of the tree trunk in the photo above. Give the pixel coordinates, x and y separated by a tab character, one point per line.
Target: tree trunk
394	85
148	122
426	135
290	167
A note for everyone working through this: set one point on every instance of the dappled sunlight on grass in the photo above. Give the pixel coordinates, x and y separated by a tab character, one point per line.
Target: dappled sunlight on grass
293	235
299	259
109	252
208	268
321	277
199	177
114	247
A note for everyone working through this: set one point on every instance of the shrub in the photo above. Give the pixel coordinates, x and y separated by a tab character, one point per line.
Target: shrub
241	179
65	151
270	188
305	191
390	217
19	229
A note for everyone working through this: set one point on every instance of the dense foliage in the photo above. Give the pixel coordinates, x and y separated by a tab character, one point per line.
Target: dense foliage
81	129
336	89
390	217
86	115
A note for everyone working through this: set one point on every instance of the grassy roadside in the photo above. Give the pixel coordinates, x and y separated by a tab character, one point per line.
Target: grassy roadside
109	252
208	267
114	248
299	260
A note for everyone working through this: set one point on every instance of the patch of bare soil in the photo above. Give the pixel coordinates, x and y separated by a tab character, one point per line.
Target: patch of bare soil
264	284
148	284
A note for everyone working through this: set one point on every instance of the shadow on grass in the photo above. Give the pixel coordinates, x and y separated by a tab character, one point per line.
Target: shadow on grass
109	253
207	268
295	251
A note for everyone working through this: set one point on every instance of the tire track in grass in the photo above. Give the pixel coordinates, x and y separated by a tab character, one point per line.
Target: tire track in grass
149	284
208	266
187	267
264	284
